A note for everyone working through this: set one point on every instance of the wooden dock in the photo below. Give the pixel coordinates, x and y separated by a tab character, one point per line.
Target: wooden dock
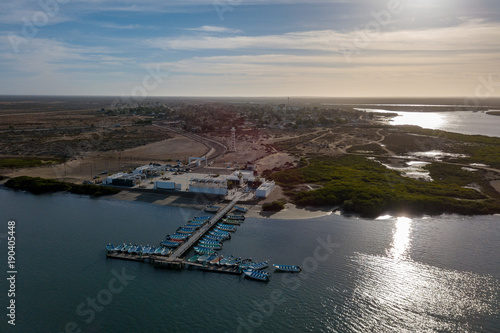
183	248
175	259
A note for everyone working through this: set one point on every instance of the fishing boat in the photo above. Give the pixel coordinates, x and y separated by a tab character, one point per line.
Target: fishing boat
223	261
110	248
211	257
214	238
145	249
166	251
233	262
185	232
235	217
260	265
287	268
245	263
119	247
212	209
212	246
194	258
196	223
203	250
256	275
232	222
178	236
126	248
132	249
169	244
240	209
258	271
203	257
216	260
139	249
226	227
158	250
218	234
152	250
210	242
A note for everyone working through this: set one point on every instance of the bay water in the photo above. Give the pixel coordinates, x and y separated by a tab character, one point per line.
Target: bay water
392	274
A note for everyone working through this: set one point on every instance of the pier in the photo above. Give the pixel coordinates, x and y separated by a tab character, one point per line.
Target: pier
183	248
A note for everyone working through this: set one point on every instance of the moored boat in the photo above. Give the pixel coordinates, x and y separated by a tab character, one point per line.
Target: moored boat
126	248
287	268
258	271
166	251
203	250
110	248
232	222
169	244
235	217
225	260
255	275
210	246
212	209
259	265
226	227
241	209
132	249
194	258
119	247
158	250
233	262
216	260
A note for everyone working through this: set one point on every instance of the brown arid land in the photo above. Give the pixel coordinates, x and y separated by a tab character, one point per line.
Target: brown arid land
92	137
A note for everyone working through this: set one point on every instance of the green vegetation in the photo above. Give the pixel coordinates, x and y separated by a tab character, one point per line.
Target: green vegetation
17	163
37	185
274	206
478	148
368	188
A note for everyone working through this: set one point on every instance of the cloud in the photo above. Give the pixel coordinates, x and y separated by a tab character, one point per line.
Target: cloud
209	28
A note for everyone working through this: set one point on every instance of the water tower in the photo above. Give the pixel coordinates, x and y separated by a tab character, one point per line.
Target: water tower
232	143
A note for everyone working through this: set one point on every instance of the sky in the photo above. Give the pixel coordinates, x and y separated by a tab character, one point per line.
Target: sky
335	48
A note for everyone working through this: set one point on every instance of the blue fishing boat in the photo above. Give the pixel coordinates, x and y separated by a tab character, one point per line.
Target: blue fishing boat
119	247
260	265
216	260
184	232
194	258
211	257
225	260
178	236
126	248
219	234
287	268
167	243
212	209
214	238
132	249
226	227
203	257
152	250
166	251
240	209
158	250
139	249
233	262
201	218
146	249
256	275
232	222
110	248
235	217
258	271
203	250
245	263
210	246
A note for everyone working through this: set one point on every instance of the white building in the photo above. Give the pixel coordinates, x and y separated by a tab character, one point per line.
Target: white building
265	189
208	186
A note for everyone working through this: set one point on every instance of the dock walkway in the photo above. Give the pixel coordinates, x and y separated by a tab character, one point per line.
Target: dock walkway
203	230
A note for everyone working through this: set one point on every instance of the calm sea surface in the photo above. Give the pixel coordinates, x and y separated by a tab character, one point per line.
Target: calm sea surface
434	274
464	122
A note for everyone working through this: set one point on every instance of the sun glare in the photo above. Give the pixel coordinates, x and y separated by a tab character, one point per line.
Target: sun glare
432	120
400	238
